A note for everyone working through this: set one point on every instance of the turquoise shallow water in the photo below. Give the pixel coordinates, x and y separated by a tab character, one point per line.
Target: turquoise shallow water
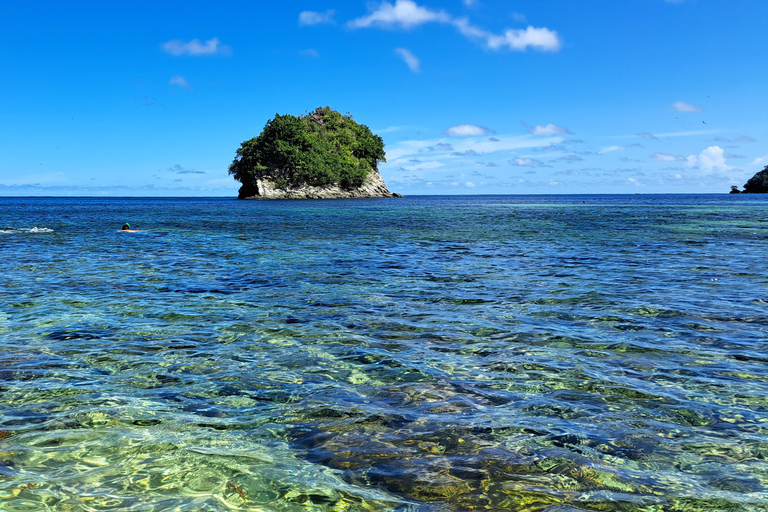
525	353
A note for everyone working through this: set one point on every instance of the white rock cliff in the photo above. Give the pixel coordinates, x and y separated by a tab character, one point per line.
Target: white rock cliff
373	186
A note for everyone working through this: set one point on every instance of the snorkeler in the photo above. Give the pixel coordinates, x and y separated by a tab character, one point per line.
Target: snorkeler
127	228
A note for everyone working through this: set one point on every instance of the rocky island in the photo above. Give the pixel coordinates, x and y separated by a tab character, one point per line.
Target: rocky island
757	184
320	155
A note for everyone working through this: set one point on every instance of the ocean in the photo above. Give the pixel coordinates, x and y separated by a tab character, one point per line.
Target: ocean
455	353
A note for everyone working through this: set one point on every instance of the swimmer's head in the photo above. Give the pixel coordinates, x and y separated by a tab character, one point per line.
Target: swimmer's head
126	227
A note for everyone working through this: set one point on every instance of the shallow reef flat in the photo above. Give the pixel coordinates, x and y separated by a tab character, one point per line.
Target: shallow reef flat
521	353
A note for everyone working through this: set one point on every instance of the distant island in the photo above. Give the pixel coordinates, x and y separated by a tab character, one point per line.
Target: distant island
757	184
320	155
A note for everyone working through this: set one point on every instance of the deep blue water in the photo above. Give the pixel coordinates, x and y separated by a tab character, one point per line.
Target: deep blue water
525	353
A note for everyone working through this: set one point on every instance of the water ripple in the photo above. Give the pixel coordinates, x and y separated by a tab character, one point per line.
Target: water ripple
508	353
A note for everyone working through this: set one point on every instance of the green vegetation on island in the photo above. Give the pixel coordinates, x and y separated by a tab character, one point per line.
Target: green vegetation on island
757	184
320	148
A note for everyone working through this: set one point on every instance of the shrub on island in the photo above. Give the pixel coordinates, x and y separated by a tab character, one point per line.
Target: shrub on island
321	149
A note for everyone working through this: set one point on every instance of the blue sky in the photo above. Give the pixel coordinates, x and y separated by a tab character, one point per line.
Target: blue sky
471	97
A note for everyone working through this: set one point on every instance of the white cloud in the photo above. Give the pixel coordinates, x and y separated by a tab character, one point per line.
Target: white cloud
407	14
410	59
518	17
663	157
526	162
652	136
710	160
309	52
392	129
179	80
403	14
315	18
682	106
423	166
541	39
178	169
466	130
689	133
549	129
486	146
213	46
399	153
610	149
469	184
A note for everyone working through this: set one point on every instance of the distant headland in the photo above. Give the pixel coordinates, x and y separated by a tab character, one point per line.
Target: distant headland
757	184
320	155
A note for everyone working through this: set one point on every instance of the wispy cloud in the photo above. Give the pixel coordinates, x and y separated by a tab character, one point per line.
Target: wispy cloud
413	62
399	152
744	139
610	149
541	39
181	170
664	157
548	129
407	14
309	52
682	106
439	147
213	46
403	14
145	101
569	159
527	162
423	166
316	18
392	129
651	136
553	147
689	133
179	80
466	130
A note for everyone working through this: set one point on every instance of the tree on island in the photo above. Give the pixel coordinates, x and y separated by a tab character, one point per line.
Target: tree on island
319	148
757	184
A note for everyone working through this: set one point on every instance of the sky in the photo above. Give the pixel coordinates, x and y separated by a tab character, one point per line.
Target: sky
470	96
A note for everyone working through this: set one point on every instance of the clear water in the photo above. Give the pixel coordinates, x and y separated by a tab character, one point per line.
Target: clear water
526	353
